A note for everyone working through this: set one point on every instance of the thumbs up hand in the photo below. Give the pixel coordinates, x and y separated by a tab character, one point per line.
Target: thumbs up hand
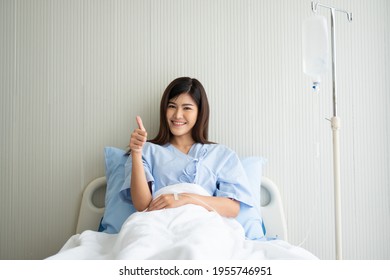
138	137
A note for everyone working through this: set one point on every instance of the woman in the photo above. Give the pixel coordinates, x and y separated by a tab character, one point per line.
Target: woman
182	153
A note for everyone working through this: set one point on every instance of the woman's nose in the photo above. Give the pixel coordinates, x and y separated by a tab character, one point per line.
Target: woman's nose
178	113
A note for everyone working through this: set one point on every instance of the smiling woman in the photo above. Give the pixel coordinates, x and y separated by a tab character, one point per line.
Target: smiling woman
184	113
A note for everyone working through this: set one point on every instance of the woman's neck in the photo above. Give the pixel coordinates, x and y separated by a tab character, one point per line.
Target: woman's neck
184	145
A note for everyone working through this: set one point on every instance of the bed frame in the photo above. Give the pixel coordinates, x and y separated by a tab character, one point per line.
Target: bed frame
271	208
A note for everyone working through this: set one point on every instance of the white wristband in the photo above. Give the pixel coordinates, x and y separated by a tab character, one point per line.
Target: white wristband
176	196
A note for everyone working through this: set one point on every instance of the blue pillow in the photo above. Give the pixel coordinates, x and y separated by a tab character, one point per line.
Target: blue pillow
116	210
250	217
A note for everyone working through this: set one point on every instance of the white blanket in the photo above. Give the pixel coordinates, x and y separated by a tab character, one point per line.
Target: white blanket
189	232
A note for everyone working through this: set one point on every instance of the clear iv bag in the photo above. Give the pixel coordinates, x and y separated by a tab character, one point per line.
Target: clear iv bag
315	48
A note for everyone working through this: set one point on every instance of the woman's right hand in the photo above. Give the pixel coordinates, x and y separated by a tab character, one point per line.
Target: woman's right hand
139	188
138	137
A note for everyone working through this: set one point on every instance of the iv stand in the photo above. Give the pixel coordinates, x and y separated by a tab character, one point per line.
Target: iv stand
335	125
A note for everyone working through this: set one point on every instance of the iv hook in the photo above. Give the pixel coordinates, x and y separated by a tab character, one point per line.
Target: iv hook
315	4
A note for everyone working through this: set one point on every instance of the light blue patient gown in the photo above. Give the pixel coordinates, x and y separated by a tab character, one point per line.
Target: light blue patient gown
215	167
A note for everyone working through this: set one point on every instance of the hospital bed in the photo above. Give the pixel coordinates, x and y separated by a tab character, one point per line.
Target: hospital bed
187	232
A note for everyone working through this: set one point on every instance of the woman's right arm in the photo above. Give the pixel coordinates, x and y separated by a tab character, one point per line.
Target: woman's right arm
139	187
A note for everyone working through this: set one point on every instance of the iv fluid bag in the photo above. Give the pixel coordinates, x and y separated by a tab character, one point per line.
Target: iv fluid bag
315	47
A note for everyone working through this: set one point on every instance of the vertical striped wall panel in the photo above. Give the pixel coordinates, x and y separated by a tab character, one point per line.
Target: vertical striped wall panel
74	74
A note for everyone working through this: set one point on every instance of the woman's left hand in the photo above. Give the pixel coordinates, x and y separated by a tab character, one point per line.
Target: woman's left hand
224	206
165	201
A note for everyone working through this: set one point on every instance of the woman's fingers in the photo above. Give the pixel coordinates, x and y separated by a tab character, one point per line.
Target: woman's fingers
137	139
162	202
139	135
158	203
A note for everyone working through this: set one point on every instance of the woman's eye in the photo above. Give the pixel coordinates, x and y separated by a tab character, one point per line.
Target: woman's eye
187	108
171	106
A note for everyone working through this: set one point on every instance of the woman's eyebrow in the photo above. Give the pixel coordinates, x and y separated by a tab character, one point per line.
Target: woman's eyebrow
185	104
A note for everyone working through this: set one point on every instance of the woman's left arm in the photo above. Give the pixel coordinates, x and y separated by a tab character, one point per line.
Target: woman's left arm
224	206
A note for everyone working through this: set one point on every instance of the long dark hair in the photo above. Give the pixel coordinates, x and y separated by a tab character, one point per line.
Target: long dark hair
198	93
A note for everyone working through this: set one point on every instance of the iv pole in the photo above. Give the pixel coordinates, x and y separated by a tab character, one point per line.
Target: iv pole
335	125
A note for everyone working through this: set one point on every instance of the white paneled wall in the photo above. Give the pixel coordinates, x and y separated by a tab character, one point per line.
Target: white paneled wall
74	74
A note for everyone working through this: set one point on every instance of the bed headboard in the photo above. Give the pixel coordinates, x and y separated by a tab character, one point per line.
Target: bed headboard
271	208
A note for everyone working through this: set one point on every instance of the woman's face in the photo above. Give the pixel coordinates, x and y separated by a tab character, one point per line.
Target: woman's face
182	113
